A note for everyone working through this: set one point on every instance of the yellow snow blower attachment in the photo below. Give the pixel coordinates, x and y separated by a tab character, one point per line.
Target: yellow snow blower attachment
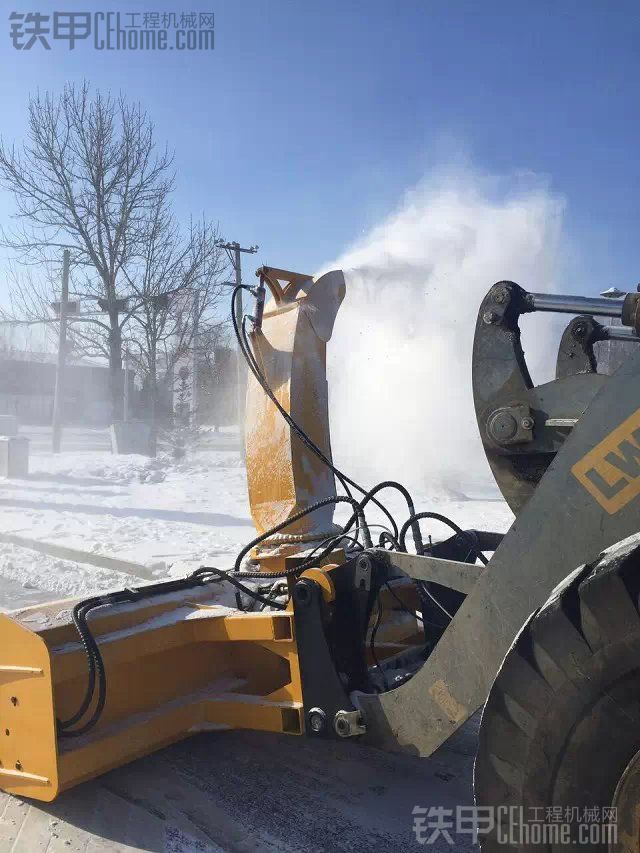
398	643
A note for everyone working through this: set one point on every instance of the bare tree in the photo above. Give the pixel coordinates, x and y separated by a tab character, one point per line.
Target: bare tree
177	289
85	179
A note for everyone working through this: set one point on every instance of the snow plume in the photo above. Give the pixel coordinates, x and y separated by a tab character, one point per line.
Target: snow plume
400	358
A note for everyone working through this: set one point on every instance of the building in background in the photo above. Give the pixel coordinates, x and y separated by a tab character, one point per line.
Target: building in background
27	383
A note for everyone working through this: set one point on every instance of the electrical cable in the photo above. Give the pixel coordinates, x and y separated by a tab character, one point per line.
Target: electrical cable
274	592
425	589
391	484
410	612
469	537
378	527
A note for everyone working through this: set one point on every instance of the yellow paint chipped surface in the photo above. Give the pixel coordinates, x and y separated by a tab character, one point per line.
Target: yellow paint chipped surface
453	709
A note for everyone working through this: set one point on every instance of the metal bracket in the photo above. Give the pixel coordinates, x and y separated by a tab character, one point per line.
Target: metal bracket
323	691
450	573
349	724
511	424
362	577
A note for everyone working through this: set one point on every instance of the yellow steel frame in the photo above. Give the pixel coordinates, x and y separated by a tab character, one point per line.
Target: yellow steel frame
175	665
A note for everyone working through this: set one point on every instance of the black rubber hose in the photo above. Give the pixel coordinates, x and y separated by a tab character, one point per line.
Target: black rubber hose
94	658
391	484
318	505
96	664
88	645
102	698
205	571
436	516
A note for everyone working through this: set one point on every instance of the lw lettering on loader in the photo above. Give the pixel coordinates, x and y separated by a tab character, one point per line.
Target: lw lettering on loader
611	471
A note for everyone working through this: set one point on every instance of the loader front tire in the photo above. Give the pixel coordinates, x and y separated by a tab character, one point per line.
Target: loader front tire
561	727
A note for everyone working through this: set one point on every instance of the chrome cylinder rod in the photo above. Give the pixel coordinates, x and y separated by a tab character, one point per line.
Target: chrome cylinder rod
620	333
601	307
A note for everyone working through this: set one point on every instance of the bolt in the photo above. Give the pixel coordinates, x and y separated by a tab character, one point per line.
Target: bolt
526	423
317	723
502	426
348	724
317	720
490	317
302	593
342	726
580	330
501	296
18	765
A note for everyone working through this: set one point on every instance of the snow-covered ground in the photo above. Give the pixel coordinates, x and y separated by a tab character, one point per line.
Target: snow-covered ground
163	514
168	515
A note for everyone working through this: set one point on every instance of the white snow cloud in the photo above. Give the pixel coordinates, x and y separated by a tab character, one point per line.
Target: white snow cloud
400	358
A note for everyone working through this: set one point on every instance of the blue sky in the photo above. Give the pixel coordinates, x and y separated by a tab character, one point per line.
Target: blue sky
308	121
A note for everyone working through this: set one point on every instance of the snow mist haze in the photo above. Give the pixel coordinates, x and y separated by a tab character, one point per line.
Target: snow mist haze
399	362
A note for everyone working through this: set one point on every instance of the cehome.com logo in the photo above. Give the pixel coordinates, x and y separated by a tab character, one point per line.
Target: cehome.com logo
611	471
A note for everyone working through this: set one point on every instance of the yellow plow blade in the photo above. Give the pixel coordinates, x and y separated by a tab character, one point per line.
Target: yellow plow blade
175	664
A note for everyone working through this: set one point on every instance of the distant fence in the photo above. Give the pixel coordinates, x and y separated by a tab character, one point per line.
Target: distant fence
28	408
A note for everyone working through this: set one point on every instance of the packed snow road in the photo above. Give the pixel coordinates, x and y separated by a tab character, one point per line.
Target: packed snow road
223	791
241	792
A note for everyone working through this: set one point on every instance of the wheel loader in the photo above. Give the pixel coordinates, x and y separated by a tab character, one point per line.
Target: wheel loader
396	642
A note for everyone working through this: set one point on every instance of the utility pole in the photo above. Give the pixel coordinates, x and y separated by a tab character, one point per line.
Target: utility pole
127	401
234	251
194	369
58	398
